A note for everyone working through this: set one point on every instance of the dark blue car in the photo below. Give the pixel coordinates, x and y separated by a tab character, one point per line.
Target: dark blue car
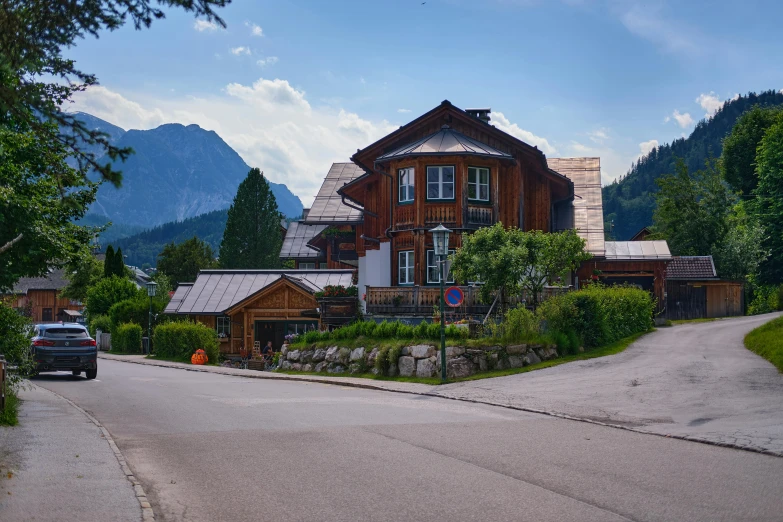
64	347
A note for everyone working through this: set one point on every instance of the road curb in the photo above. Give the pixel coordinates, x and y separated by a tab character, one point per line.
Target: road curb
370	386
147	515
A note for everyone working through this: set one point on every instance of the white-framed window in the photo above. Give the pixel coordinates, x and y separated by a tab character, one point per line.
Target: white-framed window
478	183
223	326
405	267
433	270
440	182
406	184
324	266
306	266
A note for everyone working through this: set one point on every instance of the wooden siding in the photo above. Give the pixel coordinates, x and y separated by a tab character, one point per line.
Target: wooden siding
649	274
703	299
39	300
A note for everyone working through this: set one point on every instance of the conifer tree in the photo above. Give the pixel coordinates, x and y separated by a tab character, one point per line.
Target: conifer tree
119	264
252	237
108	262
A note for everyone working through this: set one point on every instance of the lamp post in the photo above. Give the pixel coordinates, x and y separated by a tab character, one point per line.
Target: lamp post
440	241
152	288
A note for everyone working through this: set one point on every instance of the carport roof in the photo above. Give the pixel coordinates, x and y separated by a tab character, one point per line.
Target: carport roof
216	291
637	250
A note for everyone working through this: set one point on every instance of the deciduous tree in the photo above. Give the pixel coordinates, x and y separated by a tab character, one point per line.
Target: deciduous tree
768	205
182	262
739	148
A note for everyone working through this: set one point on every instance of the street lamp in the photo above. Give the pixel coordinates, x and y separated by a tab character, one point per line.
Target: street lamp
440	241
152	288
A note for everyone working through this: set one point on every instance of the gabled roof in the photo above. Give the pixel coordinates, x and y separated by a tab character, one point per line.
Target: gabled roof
691	267
588	202
637	250
176	299
328	207
56	279
643	233
216	291
296	238
445	142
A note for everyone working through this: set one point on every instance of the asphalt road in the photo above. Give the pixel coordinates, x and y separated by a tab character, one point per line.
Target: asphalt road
211	447
694	380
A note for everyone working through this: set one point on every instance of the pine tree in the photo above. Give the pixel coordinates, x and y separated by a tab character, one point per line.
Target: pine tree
108	262
119	264
252	236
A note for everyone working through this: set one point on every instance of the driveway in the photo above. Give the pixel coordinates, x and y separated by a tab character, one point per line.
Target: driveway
694	380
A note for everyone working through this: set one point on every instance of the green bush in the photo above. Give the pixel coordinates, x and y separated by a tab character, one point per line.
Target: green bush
99	322
382	360
519	325
179	340
136	310
598	315
107	292
765	299
126	338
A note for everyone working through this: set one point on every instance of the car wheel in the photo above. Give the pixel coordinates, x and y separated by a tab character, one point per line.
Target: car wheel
91	373
76	373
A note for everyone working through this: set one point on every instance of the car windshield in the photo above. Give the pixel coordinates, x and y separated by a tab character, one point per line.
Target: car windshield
66	333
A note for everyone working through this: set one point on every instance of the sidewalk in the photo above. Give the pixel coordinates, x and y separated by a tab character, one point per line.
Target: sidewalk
58	465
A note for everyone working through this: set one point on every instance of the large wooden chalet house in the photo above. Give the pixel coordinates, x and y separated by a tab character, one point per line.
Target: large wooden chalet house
449	166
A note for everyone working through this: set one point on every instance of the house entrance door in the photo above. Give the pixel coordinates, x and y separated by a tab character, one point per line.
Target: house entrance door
270	331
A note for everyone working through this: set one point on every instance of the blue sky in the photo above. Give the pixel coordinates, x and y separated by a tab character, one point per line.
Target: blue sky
293	86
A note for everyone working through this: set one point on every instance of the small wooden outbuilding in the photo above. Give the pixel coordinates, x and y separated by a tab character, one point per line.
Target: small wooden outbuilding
694	291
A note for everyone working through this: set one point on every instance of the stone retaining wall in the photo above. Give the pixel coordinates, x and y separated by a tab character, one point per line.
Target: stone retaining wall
420	360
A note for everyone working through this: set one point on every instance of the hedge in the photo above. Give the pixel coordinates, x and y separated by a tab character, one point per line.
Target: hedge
136	311
126	338
385	330
597	315
178	341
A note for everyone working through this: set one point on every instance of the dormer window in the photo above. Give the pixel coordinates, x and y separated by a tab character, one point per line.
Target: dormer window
478	183
440	182
406	185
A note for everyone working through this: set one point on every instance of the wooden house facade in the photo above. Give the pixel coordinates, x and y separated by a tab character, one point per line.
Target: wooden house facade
41	298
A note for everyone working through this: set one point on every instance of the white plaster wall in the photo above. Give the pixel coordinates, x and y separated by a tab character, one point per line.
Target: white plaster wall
374	270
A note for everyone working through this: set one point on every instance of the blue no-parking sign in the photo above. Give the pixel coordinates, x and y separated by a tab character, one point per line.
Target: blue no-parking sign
454	296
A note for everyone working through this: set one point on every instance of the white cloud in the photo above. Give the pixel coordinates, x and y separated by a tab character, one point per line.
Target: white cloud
646	21
598	136
205	25
403	111
580	148
269	60
255	29
683	120
709	102
269	123
237	51
502	123
646	146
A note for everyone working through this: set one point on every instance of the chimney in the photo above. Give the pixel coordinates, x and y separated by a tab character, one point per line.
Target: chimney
305	211
482	114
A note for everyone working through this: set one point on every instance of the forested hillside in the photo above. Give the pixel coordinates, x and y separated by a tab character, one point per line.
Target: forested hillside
144	247
630	202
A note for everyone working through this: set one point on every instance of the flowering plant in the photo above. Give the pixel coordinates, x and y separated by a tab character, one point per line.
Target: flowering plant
290	338
337	291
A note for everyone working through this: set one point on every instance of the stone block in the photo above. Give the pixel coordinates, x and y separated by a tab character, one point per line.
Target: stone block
335	368
501	364
319	355
343	355
407	365
454	351
372	356
516	361
357	354
458	367
422	351
482	362
406	350
356	368
532	358
307	367
293	355
516	349
425	367
305	356
332	353
297	367
321	366
285	365
283	351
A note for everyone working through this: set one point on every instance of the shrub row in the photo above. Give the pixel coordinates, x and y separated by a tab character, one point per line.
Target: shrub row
386	330
135	310
597	315
766	299
99	322
178	341
126	338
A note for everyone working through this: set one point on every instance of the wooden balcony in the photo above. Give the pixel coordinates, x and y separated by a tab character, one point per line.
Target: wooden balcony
419	300
438	213
480	216
404	217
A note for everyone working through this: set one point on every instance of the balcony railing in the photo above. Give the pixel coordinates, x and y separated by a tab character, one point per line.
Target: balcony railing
434	214
404	217
480	216
419	300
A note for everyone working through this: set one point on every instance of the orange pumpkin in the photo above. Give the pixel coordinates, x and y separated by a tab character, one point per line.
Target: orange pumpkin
200	357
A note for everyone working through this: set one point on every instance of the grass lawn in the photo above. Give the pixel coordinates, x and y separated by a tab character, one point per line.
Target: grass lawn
609	349
767	341
700	320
